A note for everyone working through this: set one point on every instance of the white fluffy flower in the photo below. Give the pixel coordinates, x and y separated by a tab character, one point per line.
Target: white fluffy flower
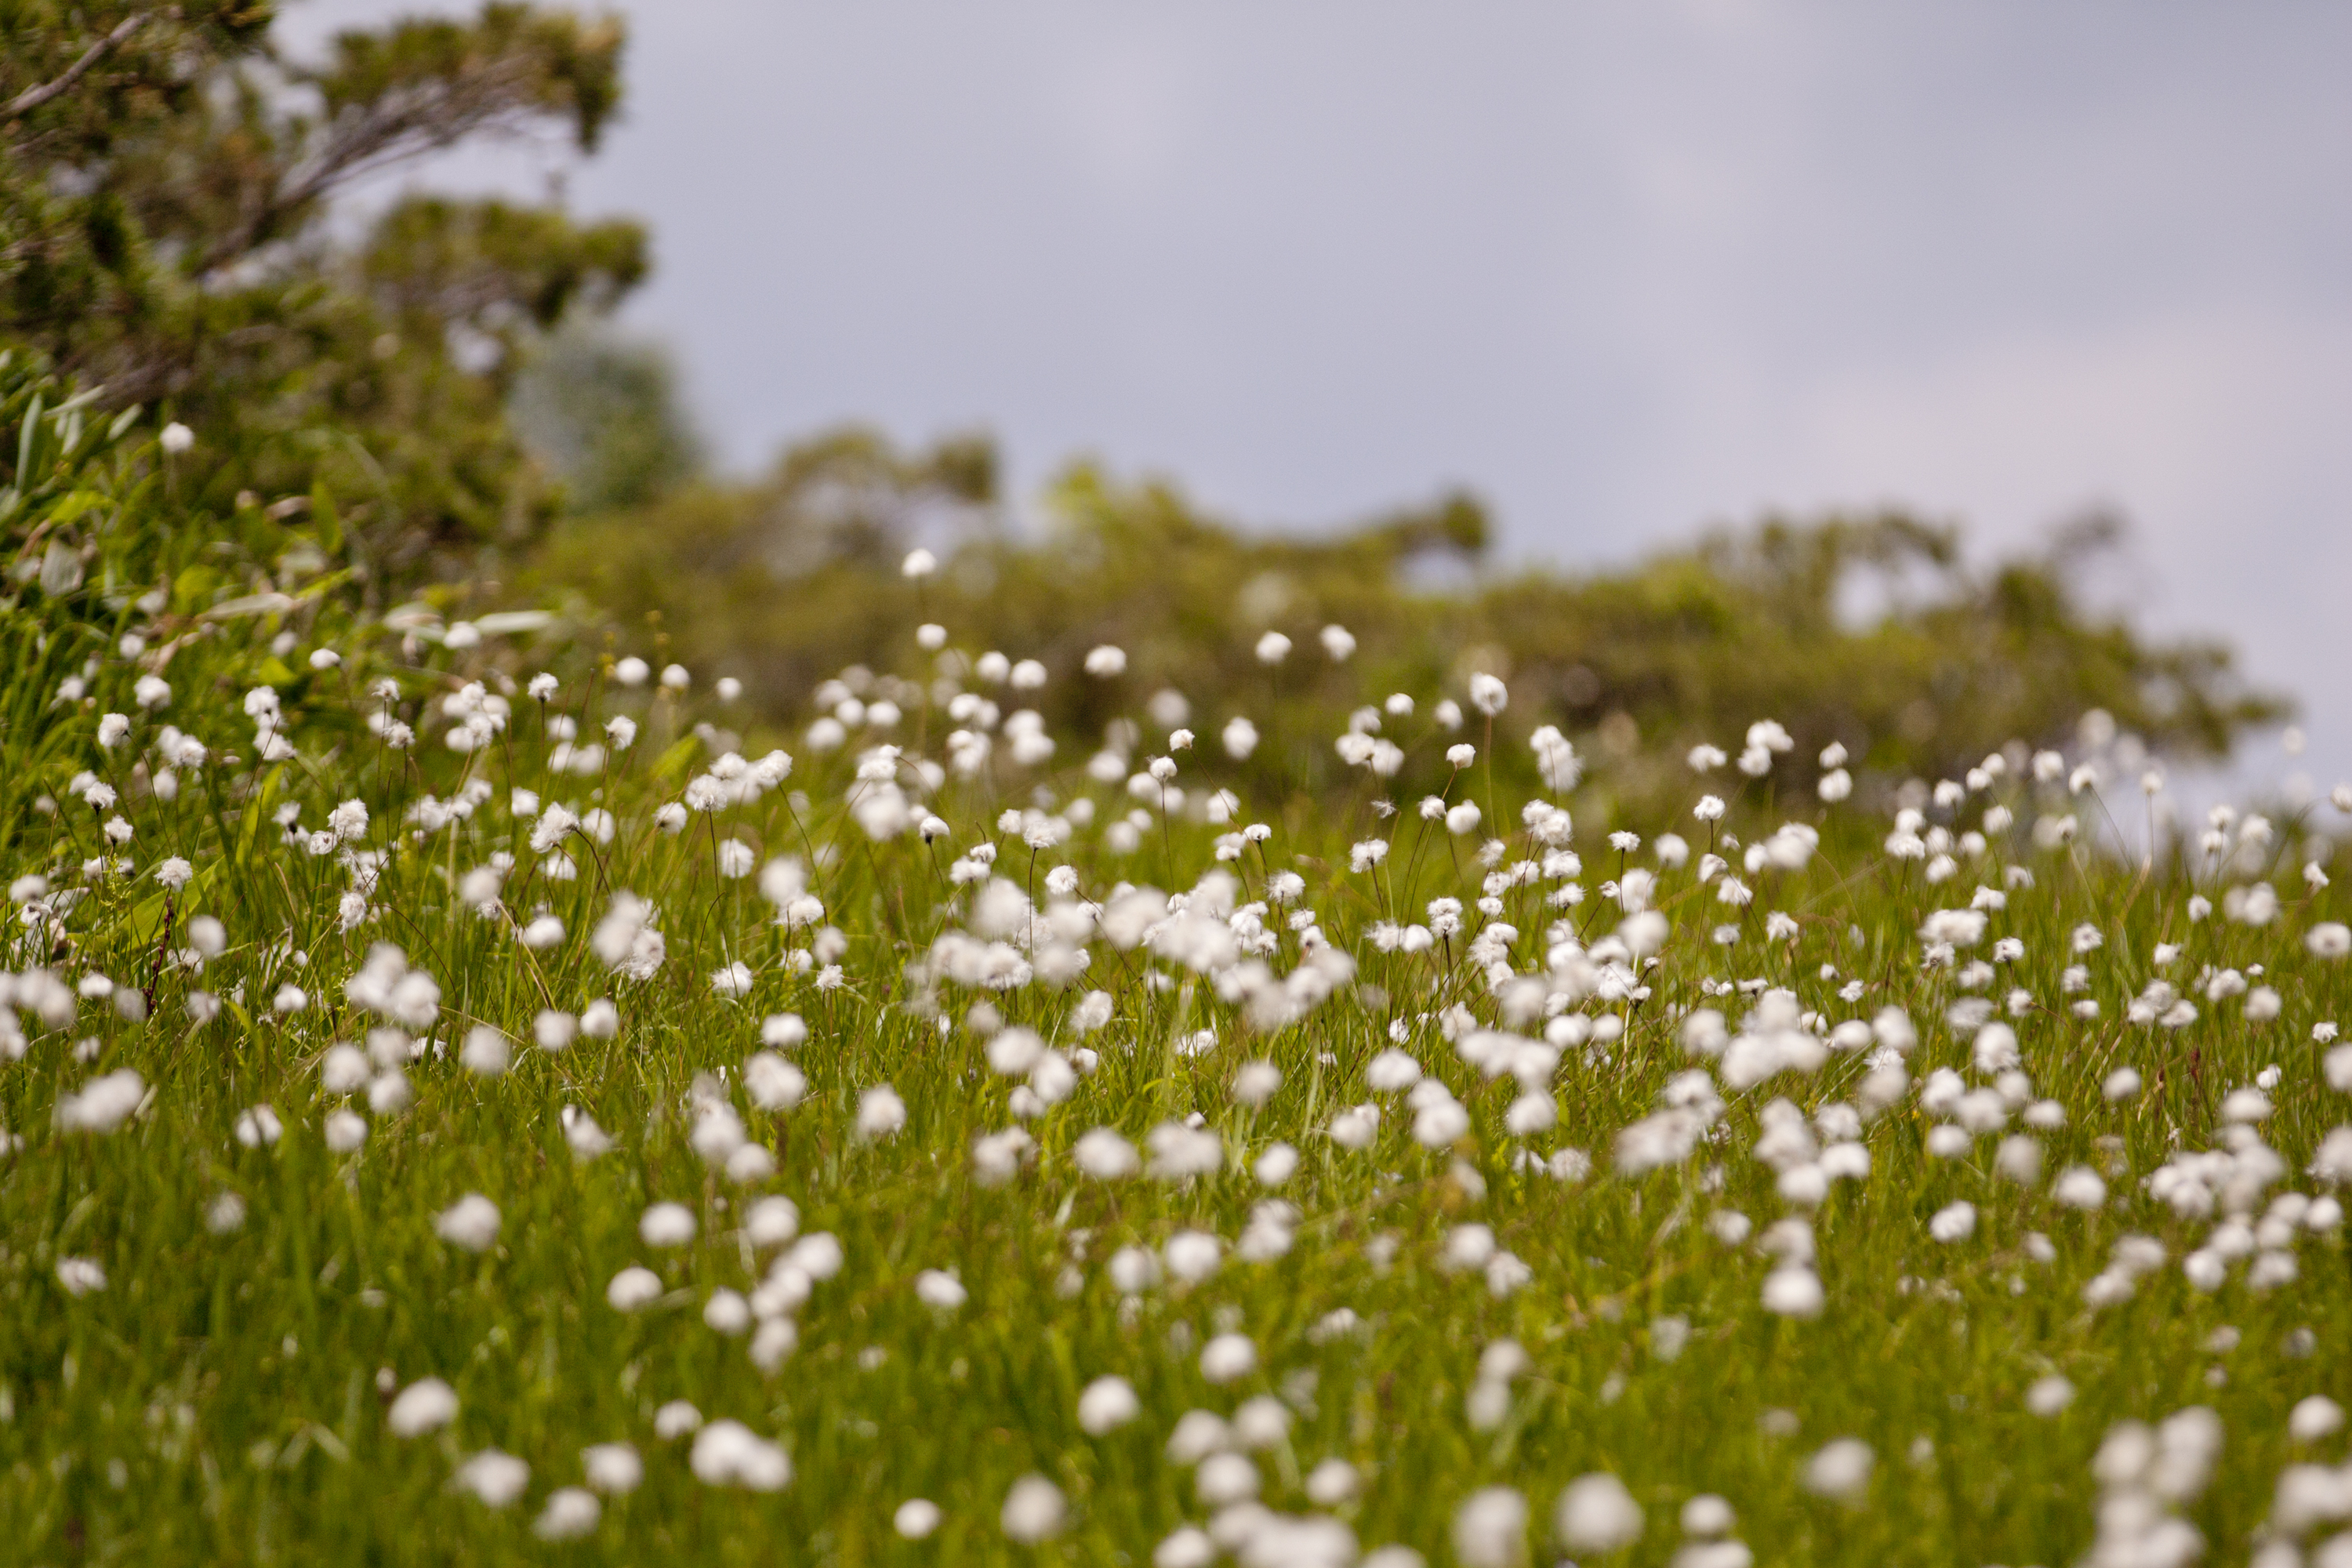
1108	1403
424	1405
1597	1515
1033	1511
472	1223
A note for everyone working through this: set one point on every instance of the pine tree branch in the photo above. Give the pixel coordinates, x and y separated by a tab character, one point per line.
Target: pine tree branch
32	97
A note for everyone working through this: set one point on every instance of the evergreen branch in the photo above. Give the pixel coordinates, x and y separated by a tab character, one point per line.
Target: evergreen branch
33	98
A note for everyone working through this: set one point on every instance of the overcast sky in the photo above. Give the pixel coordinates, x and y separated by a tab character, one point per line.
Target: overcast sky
1625	270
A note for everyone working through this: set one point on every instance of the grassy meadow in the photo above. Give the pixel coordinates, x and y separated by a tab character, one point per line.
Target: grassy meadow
472	1094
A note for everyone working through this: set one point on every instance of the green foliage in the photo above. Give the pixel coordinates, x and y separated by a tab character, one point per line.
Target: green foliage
604	412
788	581
99	536
165	177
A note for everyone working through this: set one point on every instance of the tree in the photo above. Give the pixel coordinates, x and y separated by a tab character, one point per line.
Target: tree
166	178
603	411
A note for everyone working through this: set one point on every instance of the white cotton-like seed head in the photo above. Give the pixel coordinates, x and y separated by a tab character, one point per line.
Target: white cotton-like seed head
634	1289
472	1223
773	1083
103	1103
1228	1357
1104	1155
1793	1292
345	1069
1189	1547
1954	1222
940	1290
818	1255
613	1469
207	936
1440	1124
1468	1247
916	1519
1034	1510
1197	1435
81	1275
424	1405
1133	1270
1107	1404
259	1127
1841	1471
1013	1052
1996	1048
1224	1479
1332	1484
1255	1083
2019	1159
771	1222
880	1113
1263	1422
495	1477
569	1513
2050	1396
667	1225
1597	1515
600	1020
676	1419
1276	1165
2207	1271
1490	1530
2080	1187
1706	1516
486	1053
1192	1255
729	1453
728	1313
2314	1417
1644	933
1531	1114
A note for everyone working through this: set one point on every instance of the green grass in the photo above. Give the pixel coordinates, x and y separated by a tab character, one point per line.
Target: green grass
224	1397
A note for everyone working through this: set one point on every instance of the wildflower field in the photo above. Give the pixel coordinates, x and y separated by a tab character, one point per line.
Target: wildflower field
472	1095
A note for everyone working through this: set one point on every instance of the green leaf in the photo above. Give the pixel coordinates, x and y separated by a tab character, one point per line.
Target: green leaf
192	588
673	762
322	514
72	506
28	443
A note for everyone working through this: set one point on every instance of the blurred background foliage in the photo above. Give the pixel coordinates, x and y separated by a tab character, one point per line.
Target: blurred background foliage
1870	629
426	396
169	234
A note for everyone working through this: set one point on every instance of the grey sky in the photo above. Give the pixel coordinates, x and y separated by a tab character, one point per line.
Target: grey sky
1625	270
